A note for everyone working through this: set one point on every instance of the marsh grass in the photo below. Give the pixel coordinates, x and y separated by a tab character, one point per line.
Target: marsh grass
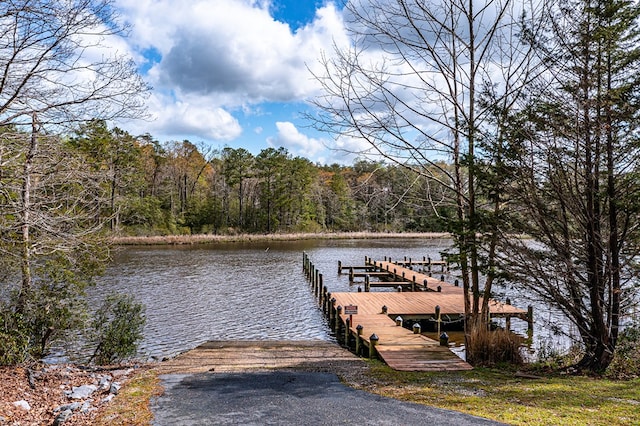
210	239
491	347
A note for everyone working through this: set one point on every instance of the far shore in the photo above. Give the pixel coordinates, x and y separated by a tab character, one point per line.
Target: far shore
210	238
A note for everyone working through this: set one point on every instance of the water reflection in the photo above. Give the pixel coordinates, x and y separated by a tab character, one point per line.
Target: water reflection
245	291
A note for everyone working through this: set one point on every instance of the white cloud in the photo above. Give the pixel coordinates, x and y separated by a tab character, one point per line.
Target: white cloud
230	49
210	59
296	143
190	117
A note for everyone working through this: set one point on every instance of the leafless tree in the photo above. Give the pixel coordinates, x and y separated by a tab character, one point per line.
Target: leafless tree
410	86
58	67
58	60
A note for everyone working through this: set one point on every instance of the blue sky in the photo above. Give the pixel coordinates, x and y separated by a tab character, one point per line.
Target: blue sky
234	72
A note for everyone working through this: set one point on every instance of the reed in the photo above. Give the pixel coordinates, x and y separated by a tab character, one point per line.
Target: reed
212	239
488	348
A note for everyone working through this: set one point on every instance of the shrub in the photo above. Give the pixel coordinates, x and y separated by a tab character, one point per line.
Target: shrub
117	329
14	340
626	359
488	348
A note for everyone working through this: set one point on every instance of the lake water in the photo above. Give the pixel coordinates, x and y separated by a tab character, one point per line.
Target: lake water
252	291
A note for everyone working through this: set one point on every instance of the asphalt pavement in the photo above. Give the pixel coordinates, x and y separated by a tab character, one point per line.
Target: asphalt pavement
287	398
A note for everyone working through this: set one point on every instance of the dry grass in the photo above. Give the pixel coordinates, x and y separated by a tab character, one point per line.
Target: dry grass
208	239
131	406
488	348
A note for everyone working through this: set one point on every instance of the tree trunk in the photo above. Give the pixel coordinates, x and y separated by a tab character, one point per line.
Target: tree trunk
25	266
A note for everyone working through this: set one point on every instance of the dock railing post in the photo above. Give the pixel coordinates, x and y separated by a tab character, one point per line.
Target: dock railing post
339	267
373	341
367	283
338	323
359	329
347	330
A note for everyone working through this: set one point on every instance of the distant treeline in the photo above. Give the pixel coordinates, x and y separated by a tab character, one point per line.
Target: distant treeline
182	188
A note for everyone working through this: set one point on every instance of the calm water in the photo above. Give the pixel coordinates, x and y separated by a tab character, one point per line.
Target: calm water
248	291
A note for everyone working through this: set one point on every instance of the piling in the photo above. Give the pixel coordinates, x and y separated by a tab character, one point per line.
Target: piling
359	329
373	341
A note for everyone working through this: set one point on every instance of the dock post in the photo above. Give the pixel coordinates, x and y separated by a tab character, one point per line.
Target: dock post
351	274
359	329
413	283
530	319
338	323
347	330
339	267
425	283
367	283
373	341
507	322
319	286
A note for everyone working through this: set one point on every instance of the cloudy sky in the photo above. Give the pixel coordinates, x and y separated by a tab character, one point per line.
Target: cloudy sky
233	72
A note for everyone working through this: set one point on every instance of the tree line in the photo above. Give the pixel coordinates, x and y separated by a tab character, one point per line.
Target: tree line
153	188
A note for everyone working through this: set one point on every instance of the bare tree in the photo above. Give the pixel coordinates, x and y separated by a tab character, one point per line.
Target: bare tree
49	232
410	86
57	69
56	62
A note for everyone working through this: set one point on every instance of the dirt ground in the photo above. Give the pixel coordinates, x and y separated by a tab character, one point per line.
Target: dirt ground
43	388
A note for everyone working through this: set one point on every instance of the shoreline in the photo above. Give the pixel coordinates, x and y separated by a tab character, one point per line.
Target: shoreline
243	238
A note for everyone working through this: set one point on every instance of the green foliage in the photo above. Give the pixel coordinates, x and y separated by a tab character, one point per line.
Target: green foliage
14	337
626	359
117	328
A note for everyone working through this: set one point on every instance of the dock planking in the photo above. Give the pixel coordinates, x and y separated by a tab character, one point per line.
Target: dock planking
424	281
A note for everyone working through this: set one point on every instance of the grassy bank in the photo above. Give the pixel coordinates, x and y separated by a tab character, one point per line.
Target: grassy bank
209	239
507	397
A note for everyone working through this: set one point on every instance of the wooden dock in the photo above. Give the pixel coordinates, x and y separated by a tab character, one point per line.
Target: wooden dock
375	331
387	324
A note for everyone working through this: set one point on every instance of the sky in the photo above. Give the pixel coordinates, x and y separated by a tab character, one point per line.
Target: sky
234	72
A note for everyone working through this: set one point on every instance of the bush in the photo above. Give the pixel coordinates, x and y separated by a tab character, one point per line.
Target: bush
626	359
117	329
488	348
14	340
